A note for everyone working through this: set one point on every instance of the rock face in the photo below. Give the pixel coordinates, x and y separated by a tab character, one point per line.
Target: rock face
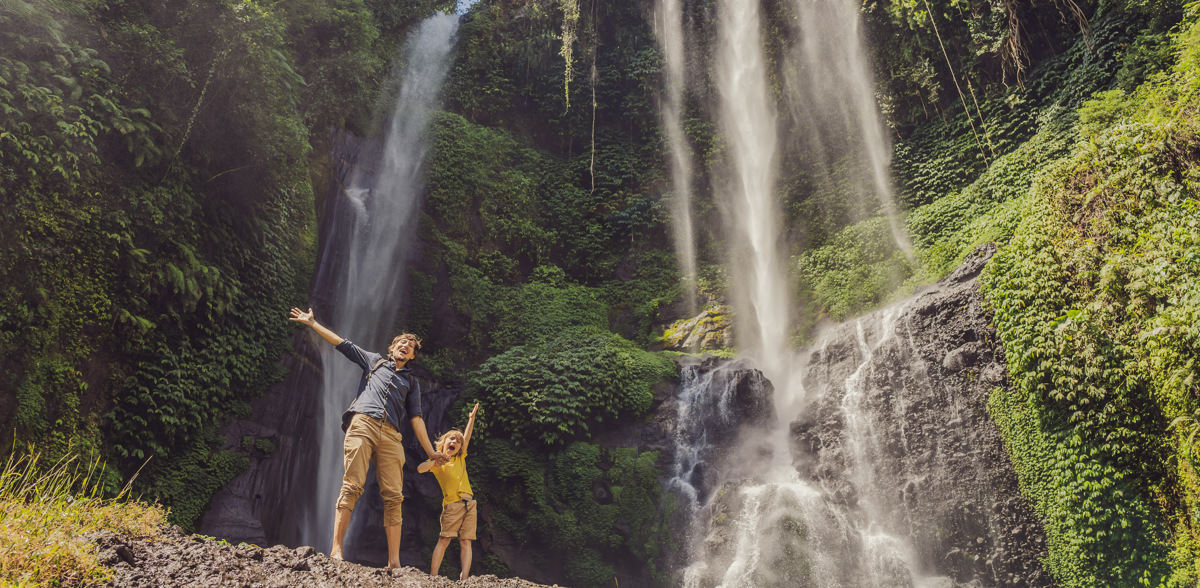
258	506
717	398
897	474
709	330
896	430
179	560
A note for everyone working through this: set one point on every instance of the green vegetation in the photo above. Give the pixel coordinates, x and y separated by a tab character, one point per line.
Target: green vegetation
46	510
1095	302
156	216
961	193
579	508
552	393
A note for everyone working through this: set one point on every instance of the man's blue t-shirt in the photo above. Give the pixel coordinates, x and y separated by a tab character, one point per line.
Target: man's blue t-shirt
383	393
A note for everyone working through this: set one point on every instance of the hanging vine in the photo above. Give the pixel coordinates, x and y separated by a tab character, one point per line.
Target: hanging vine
570	10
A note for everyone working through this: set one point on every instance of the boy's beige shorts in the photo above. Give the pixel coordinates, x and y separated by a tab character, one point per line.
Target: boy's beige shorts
458	519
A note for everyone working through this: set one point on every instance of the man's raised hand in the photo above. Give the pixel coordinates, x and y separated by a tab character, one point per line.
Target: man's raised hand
302	317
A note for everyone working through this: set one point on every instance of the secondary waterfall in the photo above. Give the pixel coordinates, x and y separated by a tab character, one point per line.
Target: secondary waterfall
772	526
669	25
362	264
831	95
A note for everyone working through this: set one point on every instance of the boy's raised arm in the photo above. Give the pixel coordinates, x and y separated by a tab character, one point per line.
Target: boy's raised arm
306	318
470	427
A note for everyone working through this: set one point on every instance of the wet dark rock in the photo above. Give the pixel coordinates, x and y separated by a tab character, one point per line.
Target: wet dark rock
940	474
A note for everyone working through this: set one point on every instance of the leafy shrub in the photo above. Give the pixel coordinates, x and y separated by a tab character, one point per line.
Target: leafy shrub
857	270
1095	302
536	312
550	393
581	508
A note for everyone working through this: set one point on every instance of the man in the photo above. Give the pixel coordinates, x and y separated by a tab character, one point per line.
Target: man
386	395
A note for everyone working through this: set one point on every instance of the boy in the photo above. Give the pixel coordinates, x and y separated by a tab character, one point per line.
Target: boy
386	395
458	504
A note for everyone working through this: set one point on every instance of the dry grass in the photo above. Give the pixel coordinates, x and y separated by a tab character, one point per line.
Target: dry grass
46	515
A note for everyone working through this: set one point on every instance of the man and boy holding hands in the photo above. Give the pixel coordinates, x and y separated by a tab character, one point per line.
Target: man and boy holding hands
387	394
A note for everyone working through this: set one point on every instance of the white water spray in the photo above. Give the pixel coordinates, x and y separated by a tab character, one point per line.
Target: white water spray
669	29
832	91
785	532
367	250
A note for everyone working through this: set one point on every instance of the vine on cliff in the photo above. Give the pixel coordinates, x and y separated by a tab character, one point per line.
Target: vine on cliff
1095	301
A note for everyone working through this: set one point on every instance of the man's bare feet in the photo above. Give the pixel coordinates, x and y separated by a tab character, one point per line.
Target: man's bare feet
393	565
336	553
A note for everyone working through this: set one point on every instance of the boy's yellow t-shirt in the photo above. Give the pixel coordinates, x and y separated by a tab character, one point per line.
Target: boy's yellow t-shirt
452	477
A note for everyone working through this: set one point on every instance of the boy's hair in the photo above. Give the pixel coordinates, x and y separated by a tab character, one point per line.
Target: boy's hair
415	339
441	440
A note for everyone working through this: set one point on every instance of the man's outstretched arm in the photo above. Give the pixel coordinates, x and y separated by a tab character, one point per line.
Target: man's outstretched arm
418	425
300	316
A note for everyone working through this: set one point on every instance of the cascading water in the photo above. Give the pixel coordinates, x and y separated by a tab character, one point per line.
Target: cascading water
769	525
831	94
361	269
669	25
891	475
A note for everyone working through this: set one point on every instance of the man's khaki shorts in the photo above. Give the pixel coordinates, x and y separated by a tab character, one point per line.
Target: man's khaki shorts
458	519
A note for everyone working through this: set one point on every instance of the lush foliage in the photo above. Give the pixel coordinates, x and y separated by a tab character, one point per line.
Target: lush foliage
964	176
157	216
550	393
529	240
579	509
47	510
1096	301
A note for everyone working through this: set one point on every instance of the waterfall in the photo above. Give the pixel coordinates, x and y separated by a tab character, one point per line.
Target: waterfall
362	264
831	95
891	473
768	525
783	522
669	28
747	118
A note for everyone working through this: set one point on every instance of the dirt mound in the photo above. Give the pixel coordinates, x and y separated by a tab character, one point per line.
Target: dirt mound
178	559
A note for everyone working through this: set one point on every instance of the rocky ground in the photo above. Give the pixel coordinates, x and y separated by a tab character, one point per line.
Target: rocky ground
178	559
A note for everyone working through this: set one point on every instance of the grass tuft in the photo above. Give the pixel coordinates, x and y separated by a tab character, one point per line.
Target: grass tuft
47	516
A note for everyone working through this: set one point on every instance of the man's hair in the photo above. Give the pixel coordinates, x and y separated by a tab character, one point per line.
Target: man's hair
441	441
415	339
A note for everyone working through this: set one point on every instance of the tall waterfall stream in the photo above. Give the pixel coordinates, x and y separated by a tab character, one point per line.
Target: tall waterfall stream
363	259
829	486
